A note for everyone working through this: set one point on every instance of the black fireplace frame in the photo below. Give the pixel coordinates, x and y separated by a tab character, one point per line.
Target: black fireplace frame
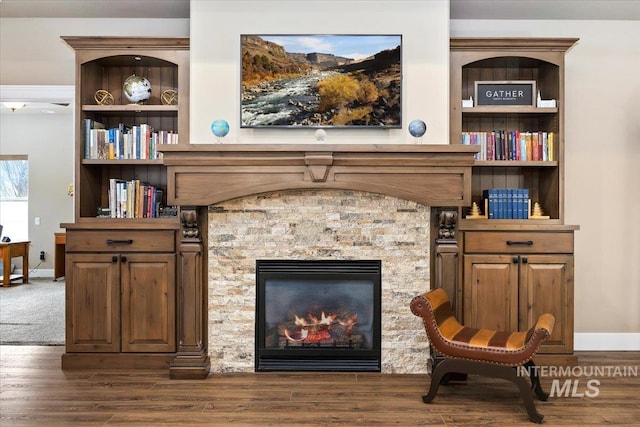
311	358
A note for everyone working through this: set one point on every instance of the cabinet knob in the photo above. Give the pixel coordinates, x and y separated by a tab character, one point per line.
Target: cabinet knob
114	259
123	258
525	260
516	259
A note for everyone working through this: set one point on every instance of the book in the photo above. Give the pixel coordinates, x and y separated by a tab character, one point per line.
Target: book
507	203
91	128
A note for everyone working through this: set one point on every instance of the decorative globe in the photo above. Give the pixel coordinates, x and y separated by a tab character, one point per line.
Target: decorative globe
136	89
220	128
417	128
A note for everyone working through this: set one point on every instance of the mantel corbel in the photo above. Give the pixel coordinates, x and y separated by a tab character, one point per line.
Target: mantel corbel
318	165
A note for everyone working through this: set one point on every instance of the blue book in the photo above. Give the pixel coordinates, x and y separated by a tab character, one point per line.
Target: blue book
511	203
491	196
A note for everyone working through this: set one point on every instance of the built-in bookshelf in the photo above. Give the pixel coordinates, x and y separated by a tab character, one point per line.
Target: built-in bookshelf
522	146
115	139
515	251
120	251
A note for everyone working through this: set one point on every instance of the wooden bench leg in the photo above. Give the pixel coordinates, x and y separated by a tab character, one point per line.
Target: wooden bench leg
530	366
437	375
489	370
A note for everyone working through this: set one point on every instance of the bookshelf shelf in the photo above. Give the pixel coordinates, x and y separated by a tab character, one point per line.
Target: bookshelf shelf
516	163
508	110
133	108
124	162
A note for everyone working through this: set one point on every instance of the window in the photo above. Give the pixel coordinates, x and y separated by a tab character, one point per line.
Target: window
14	196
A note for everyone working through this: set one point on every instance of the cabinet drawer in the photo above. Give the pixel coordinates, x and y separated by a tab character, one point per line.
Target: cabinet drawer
518	242
120	241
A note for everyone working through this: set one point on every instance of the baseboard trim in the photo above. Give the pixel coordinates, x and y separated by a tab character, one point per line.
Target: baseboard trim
40	273
606	341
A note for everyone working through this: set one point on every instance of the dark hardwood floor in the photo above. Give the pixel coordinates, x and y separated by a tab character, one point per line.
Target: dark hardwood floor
35	391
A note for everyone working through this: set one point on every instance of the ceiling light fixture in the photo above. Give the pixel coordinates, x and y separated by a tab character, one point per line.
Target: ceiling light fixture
13	106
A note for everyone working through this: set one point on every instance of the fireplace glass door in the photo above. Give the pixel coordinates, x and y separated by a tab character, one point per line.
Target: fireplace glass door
318	315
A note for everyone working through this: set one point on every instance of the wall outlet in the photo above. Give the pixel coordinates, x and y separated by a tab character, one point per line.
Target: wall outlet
41	255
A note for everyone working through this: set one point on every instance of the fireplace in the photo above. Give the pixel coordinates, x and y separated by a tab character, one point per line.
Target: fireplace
201	175
318	315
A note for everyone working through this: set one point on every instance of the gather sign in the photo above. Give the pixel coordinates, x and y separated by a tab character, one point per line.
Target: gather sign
519	92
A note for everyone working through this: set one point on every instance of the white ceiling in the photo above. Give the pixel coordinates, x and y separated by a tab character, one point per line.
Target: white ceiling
460	9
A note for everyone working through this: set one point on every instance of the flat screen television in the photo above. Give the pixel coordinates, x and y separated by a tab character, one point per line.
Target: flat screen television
324	81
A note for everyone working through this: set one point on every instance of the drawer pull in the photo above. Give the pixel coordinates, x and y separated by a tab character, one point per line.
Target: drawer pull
119	242
520	243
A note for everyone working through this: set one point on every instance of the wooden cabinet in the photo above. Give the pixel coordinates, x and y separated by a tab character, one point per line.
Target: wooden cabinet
121	247
509	291
120	301
513	270
490	281
93	303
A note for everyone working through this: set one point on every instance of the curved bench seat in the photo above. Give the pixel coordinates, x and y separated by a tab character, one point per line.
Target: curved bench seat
481	351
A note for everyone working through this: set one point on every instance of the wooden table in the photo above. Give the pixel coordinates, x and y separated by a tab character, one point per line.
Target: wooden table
59	254
10	250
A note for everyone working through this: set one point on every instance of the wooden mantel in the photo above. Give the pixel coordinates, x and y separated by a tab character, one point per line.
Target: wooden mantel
199	175
205	174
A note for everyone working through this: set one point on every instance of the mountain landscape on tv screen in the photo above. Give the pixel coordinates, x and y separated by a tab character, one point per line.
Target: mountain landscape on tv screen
290	89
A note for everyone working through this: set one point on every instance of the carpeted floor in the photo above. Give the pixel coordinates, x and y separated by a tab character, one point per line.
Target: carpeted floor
32	313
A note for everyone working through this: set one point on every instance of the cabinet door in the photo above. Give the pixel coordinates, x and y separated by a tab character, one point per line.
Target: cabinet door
546	286
148	302
491	292
93	303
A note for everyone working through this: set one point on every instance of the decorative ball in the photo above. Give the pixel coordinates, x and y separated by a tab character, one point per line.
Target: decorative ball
169	97
220	128
136	89
320	135
103	97
417	128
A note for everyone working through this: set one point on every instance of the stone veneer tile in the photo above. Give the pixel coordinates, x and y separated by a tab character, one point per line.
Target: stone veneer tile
317	224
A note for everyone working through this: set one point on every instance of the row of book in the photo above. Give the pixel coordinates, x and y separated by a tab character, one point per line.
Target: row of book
123	141
507	203
133	199
512	145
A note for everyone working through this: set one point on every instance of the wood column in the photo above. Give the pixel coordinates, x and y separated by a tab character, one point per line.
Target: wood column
446	272
446	259
192	358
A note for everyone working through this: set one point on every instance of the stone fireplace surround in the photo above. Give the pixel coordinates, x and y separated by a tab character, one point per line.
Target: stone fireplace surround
201	176
316	224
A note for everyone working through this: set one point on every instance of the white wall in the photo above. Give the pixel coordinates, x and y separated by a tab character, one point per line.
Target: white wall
602	154
32	52
48	147
215	61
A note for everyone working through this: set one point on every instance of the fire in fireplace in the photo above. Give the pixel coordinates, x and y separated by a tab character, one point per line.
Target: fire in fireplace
318	315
